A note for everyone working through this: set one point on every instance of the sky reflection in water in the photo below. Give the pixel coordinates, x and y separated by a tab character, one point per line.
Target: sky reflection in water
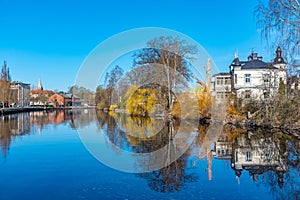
44	158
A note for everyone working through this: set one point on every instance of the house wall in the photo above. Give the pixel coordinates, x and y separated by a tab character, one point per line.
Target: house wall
23	93
220	87
59	100
257	85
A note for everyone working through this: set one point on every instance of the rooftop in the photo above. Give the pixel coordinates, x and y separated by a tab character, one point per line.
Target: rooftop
257	64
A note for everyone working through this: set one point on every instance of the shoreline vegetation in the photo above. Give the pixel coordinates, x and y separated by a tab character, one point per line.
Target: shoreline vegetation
238	121
161	70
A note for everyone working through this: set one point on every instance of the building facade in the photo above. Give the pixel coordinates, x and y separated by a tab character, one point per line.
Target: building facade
256	79
220	86
64	99
39	96
20	93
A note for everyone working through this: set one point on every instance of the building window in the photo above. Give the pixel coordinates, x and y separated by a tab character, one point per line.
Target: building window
267	156
248	156
247	78
266	78
227	81
235	78
266	94
247	94
219	81
212	85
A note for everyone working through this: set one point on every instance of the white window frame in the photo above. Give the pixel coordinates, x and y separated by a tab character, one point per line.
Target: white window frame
247	78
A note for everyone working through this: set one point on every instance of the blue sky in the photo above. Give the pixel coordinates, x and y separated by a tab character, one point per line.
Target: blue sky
49	40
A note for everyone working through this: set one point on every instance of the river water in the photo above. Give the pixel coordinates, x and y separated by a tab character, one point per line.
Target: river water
78	154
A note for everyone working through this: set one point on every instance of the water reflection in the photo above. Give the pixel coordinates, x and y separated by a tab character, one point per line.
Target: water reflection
269	158
12	126
16	125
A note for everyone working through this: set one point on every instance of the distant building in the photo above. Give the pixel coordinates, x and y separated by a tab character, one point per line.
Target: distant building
40	87
20	94
256	79
64	99
39	96
220	85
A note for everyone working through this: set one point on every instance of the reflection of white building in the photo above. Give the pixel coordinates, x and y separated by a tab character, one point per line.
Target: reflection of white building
21	92
223	150
256	151
20	124
255	78
223	147
257	154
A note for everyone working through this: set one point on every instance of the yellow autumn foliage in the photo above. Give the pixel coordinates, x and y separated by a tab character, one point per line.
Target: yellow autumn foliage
204	102
139	100
142	128
185	106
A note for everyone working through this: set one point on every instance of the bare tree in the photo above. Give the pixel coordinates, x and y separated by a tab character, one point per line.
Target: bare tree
5	81
173	54
279	21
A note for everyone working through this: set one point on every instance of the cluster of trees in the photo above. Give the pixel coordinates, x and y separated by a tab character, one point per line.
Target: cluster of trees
7	96
83	93
109	93
279	110
160	72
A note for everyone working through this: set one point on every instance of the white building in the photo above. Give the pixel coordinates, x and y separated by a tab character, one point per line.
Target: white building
220	86
256	79
22	93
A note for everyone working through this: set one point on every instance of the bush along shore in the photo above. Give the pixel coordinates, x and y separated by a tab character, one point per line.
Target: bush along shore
279	121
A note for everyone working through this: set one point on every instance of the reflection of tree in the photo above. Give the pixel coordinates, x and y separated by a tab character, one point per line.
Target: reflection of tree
270	159
202	148
147	135
114	133
170	178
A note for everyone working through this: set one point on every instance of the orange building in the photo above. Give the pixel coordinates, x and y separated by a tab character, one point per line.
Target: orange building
62	99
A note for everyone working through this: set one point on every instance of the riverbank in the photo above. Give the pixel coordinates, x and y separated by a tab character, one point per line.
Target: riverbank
8	111
251	125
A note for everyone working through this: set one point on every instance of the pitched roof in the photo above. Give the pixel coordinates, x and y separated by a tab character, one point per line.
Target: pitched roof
257	64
